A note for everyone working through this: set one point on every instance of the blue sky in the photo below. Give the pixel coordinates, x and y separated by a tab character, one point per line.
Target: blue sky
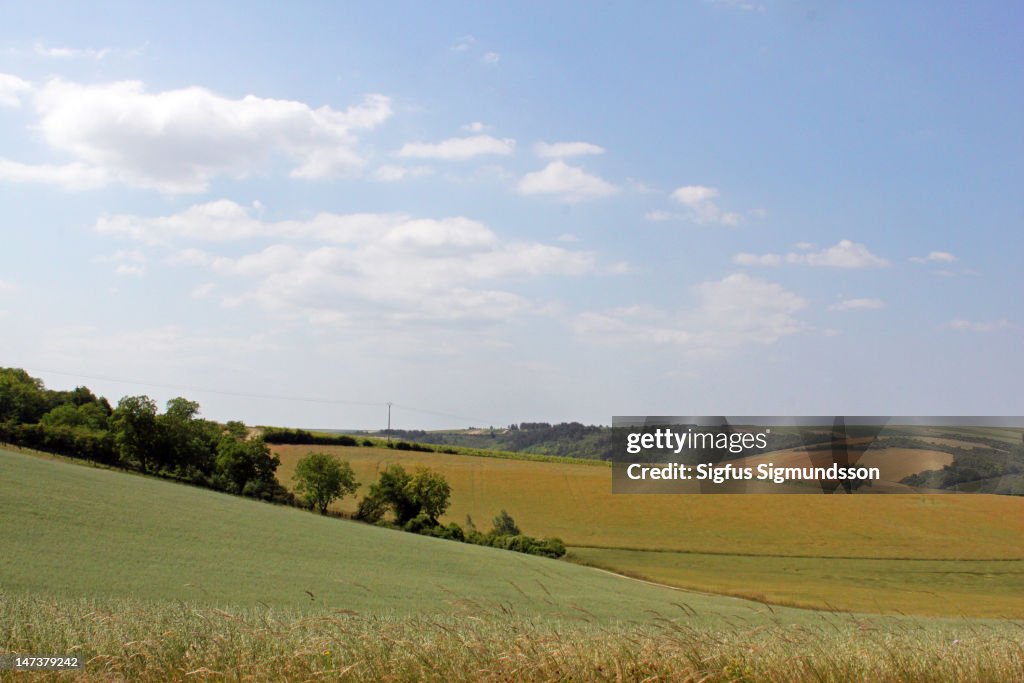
491	213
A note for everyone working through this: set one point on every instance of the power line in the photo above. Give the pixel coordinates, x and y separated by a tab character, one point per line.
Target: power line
271	397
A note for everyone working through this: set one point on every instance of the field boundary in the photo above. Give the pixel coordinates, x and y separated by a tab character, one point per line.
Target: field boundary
790	556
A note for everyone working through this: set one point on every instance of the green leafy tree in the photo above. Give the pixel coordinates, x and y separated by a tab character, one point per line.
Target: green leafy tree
407	495
237	429
88	415
187	444
430	492
371	509
390	491
22	397
504	525
321	479
246	467
135	431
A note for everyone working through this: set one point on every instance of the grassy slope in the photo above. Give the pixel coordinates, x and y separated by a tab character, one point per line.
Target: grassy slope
76	531
732	544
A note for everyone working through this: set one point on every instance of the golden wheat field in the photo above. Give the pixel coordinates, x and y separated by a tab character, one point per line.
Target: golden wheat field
911	548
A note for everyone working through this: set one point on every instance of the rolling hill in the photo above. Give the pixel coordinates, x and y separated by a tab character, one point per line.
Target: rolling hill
75	531
883	553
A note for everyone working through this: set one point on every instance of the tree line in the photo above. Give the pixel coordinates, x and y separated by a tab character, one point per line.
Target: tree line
178	444
135	435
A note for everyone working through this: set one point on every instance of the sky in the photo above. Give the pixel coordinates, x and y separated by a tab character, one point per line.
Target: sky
487	213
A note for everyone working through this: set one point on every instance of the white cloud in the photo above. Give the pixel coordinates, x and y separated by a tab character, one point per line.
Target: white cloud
85	347
469	44
464	43
7	287
845	254
475	127
694	194
11	88
224	220
745	259
203	291
129	261
190	257
215	221
735	311
73	176
935	257
979	326
561	150
700	200
179	140
392	174
390	266
128	269
569	183
857	305
74	53
458	149
659	216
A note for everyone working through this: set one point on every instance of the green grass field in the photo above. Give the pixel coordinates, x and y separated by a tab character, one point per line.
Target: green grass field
967	548
148	580
76	531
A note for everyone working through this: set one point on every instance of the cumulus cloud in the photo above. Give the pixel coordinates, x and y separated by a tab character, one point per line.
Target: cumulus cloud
561	150
129	262
845	254
935	257
857	305
216	221
702	207
177	141
567	183
335	267
11	89
490	58
979	326
458	149
735	311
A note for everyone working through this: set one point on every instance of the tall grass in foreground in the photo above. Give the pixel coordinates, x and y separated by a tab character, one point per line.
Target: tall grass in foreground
133	641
